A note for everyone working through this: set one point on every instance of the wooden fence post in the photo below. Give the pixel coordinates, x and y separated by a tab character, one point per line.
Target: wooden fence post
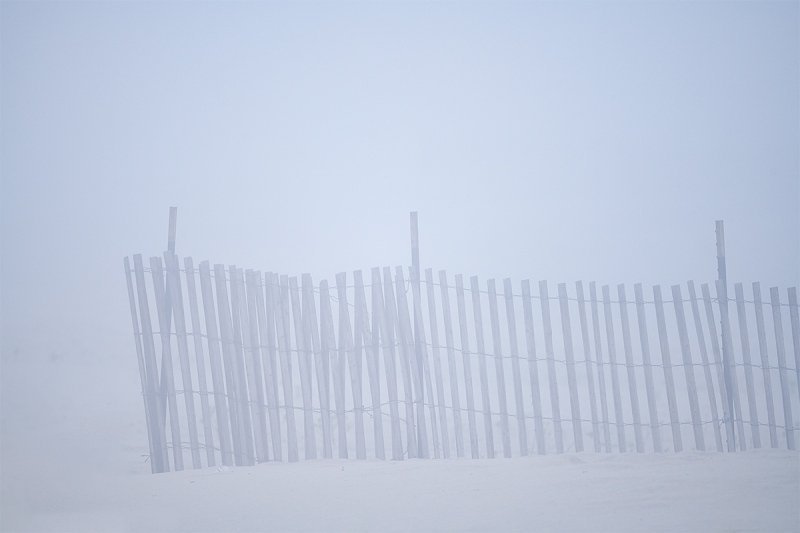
569	355
280	300
394	326
312	340
533	367
462	323
628	349
422	351
514	348
728	362
777	321
587	356
239	336
544	300
499	371
612	366
677	440
437	365
688	368
601	379
748	365
451	363
346	348
641	317
765	368
727	413
266	325
362	331
386	334
481	353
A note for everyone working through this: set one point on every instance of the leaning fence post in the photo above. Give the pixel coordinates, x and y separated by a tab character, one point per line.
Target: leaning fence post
728	368
777	320
765	369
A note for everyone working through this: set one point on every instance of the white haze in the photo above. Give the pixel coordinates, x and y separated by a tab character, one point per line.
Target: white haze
566	141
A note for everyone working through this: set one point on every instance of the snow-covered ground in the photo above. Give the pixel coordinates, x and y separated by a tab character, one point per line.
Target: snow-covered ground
74	459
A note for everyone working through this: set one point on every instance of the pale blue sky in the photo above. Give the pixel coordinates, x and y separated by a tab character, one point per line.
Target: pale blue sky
542	140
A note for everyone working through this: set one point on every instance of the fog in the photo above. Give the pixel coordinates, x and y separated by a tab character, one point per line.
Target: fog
595	141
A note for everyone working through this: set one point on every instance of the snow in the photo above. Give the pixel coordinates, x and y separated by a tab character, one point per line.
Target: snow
74	459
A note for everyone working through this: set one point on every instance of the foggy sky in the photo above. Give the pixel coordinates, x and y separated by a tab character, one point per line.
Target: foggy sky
560	141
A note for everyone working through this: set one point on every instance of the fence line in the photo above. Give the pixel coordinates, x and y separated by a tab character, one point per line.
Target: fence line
363	347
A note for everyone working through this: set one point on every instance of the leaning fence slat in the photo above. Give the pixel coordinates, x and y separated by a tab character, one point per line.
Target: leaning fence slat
266	327
422	352
727	414
601	379
795	321
519	404
628	348
462	323
481	353
655	427
729	361
152	430
688	368
409	347
765	368
385	333
533	367
176	304
280	302
499	371
362	331
304	359
587	356
612	366
551	366
748	365
777	321
312	339
205	408
677	440
253	286
451	363
569	355
166	360
347	350
701	340
401	359
240	337
330	353
437	364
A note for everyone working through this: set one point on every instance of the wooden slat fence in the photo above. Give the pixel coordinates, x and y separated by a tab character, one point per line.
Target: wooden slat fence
230	360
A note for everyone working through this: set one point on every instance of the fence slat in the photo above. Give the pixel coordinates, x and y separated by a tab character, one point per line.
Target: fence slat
587	357
481	353
347	349
330	353
612	366
462	324
499	371
362	331
569	355
727	414
544	300
252	366
744	337
166	361
729	362
628	349
176	304
408	394
304	359
701	341
253	287
451	363
644	341
437	364
677	440
280	295
246	404
511	321
312	339
533	367
386	335
688	368
266	321
795	321
777	321
601	379
765	368
202	381
409	347
421	348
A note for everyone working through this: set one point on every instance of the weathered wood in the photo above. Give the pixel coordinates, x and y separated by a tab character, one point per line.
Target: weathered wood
569	356
266	329
727	412
257	394
223	406
176	303
655	427
612	366
669	380
152	429
765	367
701	341
304	360
587	357
462	324
422	355
499	370
437	365
386	334
481	353
402	359
409	346
346	348
544	300
601	375
519	404
533	367
280	295
202	381
729	362
312	340
744	338
166	360
777	321
795	321
451	364
239	335
362	330
688	368
628	349
330	353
